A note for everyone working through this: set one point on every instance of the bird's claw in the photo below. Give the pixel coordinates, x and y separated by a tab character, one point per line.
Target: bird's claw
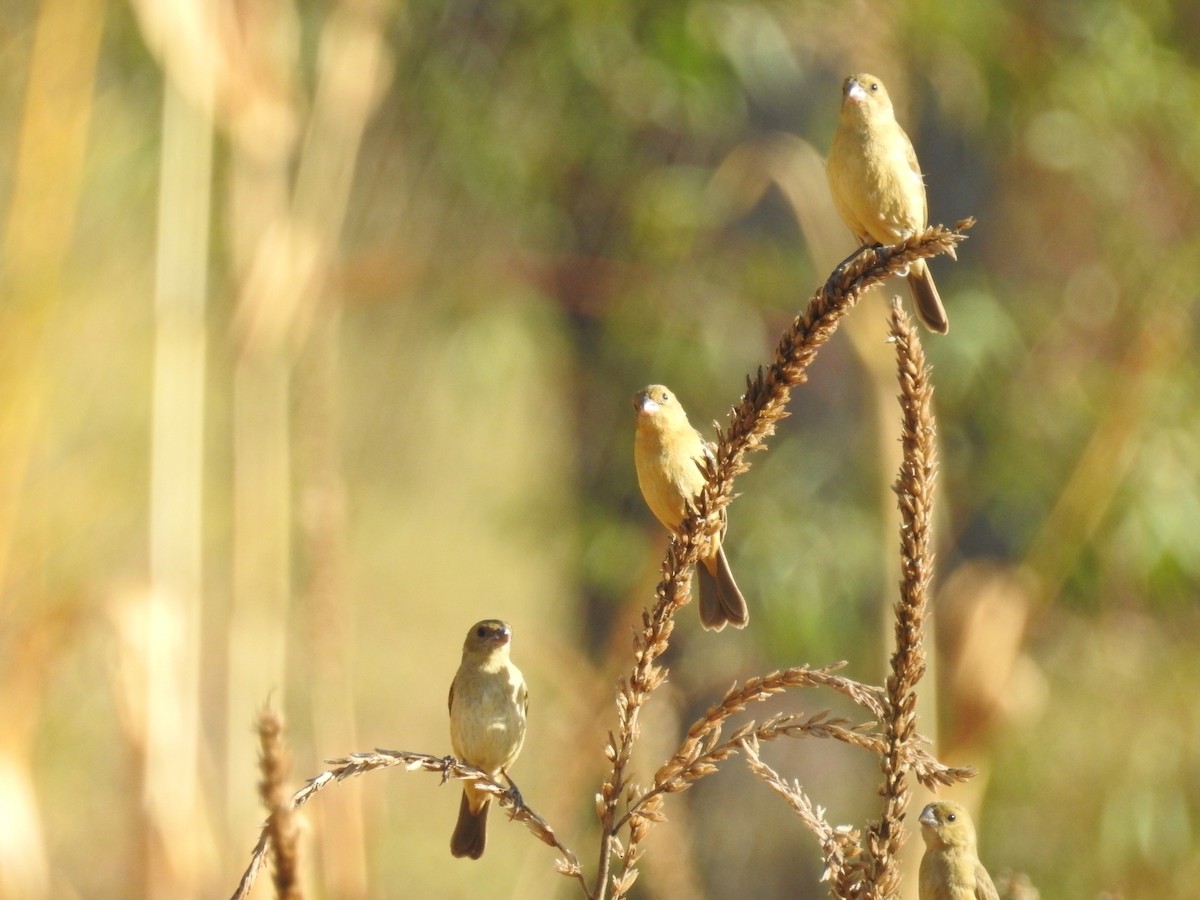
841	267
840	270
514	796
447	763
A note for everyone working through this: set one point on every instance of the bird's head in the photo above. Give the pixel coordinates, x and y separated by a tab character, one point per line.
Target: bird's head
945	823
486	637
864	95
657	404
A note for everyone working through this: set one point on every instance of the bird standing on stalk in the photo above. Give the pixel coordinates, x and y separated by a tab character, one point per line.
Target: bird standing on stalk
668	453
488	702
877	185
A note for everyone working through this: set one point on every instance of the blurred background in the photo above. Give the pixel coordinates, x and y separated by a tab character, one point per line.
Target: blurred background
319	332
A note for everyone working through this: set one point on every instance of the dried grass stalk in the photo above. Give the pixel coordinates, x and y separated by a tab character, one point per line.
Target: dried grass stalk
449	768
841	845
751	422
874	873
275	765
914	490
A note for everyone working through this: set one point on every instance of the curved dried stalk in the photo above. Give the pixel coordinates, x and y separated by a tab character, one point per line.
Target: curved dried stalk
855	871
700	750
841	845
751	422
449	768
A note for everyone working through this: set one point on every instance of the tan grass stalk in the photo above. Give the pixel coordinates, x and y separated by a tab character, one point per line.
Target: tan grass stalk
914	490
275	765
751	422
840	845
850	871
702	748
449	768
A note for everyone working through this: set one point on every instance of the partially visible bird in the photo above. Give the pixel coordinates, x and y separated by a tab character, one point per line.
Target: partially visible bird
950	868
668	452
488	702
877	185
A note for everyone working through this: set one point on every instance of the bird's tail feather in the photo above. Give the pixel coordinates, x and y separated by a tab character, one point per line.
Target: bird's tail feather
470	834
721	602
925	296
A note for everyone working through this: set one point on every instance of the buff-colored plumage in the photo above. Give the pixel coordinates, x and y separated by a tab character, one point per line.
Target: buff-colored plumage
488	702
877	185
950	868
666	452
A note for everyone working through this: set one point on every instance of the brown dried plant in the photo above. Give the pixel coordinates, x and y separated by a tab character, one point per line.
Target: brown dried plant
914	490
275	765
626	810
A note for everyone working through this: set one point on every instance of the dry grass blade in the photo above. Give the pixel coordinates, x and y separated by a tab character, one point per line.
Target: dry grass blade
699	756
841	846
702	748
449	768
917	759
699	747
818	725
931	773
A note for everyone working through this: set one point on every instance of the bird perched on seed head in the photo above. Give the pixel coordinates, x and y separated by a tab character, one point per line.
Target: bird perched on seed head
950	868
877	186
488	702
667	453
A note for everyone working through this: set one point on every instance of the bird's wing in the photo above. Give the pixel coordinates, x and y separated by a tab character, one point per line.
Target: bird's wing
911	155
985	889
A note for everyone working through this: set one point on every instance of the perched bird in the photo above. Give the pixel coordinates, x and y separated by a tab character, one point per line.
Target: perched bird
877	186
668	452
950	868
488	701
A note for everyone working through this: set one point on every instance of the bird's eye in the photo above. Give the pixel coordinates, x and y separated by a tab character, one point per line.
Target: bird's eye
481	631
874	85
665	396
950	817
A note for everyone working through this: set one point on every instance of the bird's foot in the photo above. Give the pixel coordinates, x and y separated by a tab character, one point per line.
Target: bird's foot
514	795
854	254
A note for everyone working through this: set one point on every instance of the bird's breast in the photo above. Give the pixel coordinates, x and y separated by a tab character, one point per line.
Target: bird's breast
487	720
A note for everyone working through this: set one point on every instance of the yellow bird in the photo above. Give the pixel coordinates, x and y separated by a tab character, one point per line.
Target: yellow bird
667	453
950	868
488	702
877	185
